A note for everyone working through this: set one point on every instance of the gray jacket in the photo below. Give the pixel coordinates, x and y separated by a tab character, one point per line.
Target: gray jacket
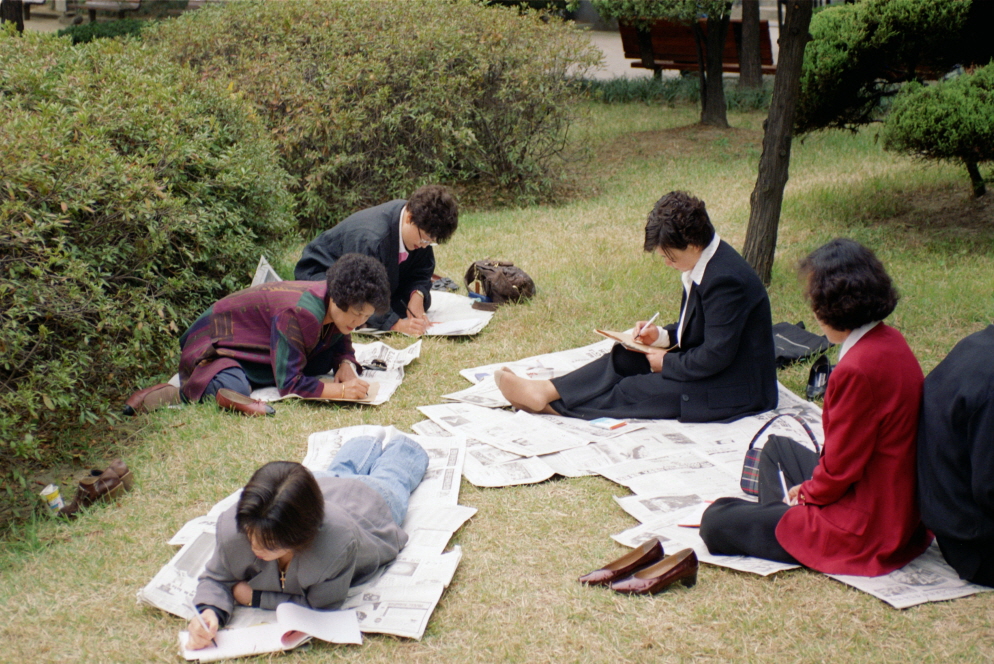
357	537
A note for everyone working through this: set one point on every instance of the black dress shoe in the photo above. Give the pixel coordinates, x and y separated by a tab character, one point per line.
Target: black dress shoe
648	553
680	567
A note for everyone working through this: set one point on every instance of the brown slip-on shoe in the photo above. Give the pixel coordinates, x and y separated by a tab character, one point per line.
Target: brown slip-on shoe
92	489
151	398
680	567
231	400
647	553
120	469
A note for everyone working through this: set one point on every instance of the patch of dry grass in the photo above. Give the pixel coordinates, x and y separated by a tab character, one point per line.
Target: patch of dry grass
67	590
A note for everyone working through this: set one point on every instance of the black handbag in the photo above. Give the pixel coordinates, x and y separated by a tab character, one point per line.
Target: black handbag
793	343
750	467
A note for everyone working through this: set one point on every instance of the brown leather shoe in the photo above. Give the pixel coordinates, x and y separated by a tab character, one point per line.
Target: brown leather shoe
649	552
151	398
231	400
680	567
120	469
92	489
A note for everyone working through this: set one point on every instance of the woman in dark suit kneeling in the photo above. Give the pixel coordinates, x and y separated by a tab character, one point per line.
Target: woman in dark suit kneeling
716	362
851	510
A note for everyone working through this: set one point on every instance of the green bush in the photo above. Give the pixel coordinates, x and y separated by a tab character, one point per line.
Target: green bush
369	99
952	121
87	32
131	196
859	51
670	91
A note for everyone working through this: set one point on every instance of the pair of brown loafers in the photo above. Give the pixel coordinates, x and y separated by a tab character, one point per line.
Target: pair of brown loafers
646	570
99	484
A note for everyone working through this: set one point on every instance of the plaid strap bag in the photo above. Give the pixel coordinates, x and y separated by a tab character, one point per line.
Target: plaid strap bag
750	467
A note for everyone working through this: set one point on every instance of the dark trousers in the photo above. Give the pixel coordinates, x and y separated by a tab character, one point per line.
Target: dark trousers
732	526
972	560
619	384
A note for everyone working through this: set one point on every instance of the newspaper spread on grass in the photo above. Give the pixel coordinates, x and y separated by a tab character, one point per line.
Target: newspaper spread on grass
673	470
401	598
387	379
450	315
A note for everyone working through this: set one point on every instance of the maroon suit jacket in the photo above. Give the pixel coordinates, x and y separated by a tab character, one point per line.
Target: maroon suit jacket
859	514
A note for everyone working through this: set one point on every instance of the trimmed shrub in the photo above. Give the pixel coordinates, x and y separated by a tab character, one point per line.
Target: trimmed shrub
859	51
87	32
368	99
951	121
131	196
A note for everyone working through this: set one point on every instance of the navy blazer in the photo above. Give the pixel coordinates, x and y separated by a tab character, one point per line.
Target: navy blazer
726	357
373	232
956	452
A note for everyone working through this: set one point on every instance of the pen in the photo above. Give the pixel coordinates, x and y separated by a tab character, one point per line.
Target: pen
783	484
200	620
647	324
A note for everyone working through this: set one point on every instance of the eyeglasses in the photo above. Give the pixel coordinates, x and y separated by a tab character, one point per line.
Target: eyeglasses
425	241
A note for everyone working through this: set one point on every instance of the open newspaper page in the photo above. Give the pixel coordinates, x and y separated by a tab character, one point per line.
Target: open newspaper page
388	378
451	315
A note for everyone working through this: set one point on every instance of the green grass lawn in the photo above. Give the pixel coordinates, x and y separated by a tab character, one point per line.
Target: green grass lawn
67	589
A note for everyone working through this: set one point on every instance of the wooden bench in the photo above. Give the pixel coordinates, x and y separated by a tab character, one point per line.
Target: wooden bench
669	45
93	6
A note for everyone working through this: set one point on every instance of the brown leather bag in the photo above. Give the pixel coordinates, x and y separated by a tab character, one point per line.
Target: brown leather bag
500	281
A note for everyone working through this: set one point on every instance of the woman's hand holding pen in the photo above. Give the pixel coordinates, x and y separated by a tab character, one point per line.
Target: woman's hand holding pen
646	333
200	637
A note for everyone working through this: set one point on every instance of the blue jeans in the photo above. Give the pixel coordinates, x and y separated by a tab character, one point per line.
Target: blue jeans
394	472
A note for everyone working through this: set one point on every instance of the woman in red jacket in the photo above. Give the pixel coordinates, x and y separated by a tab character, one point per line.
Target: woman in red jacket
851	510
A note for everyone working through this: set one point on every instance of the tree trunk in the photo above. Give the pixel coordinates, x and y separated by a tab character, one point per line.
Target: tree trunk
750	62
713	109
13	11
766	198
702	70
979	188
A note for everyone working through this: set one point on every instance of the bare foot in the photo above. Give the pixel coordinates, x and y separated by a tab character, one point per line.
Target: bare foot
532	396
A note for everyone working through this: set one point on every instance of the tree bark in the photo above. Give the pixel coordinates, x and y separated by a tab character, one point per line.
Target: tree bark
13	11
979	187
750	62
713	106
767	197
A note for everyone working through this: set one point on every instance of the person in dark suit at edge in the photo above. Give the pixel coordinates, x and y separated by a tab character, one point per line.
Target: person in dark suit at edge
400	234
956	456
715	363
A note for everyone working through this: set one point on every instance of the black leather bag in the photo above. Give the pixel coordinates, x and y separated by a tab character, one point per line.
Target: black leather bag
794	343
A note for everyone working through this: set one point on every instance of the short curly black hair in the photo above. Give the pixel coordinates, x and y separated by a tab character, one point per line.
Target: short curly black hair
357	280
677	221
434	210
847	285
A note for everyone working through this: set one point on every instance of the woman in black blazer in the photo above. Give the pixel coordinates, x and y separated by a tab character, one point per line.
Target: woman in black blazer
715	363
